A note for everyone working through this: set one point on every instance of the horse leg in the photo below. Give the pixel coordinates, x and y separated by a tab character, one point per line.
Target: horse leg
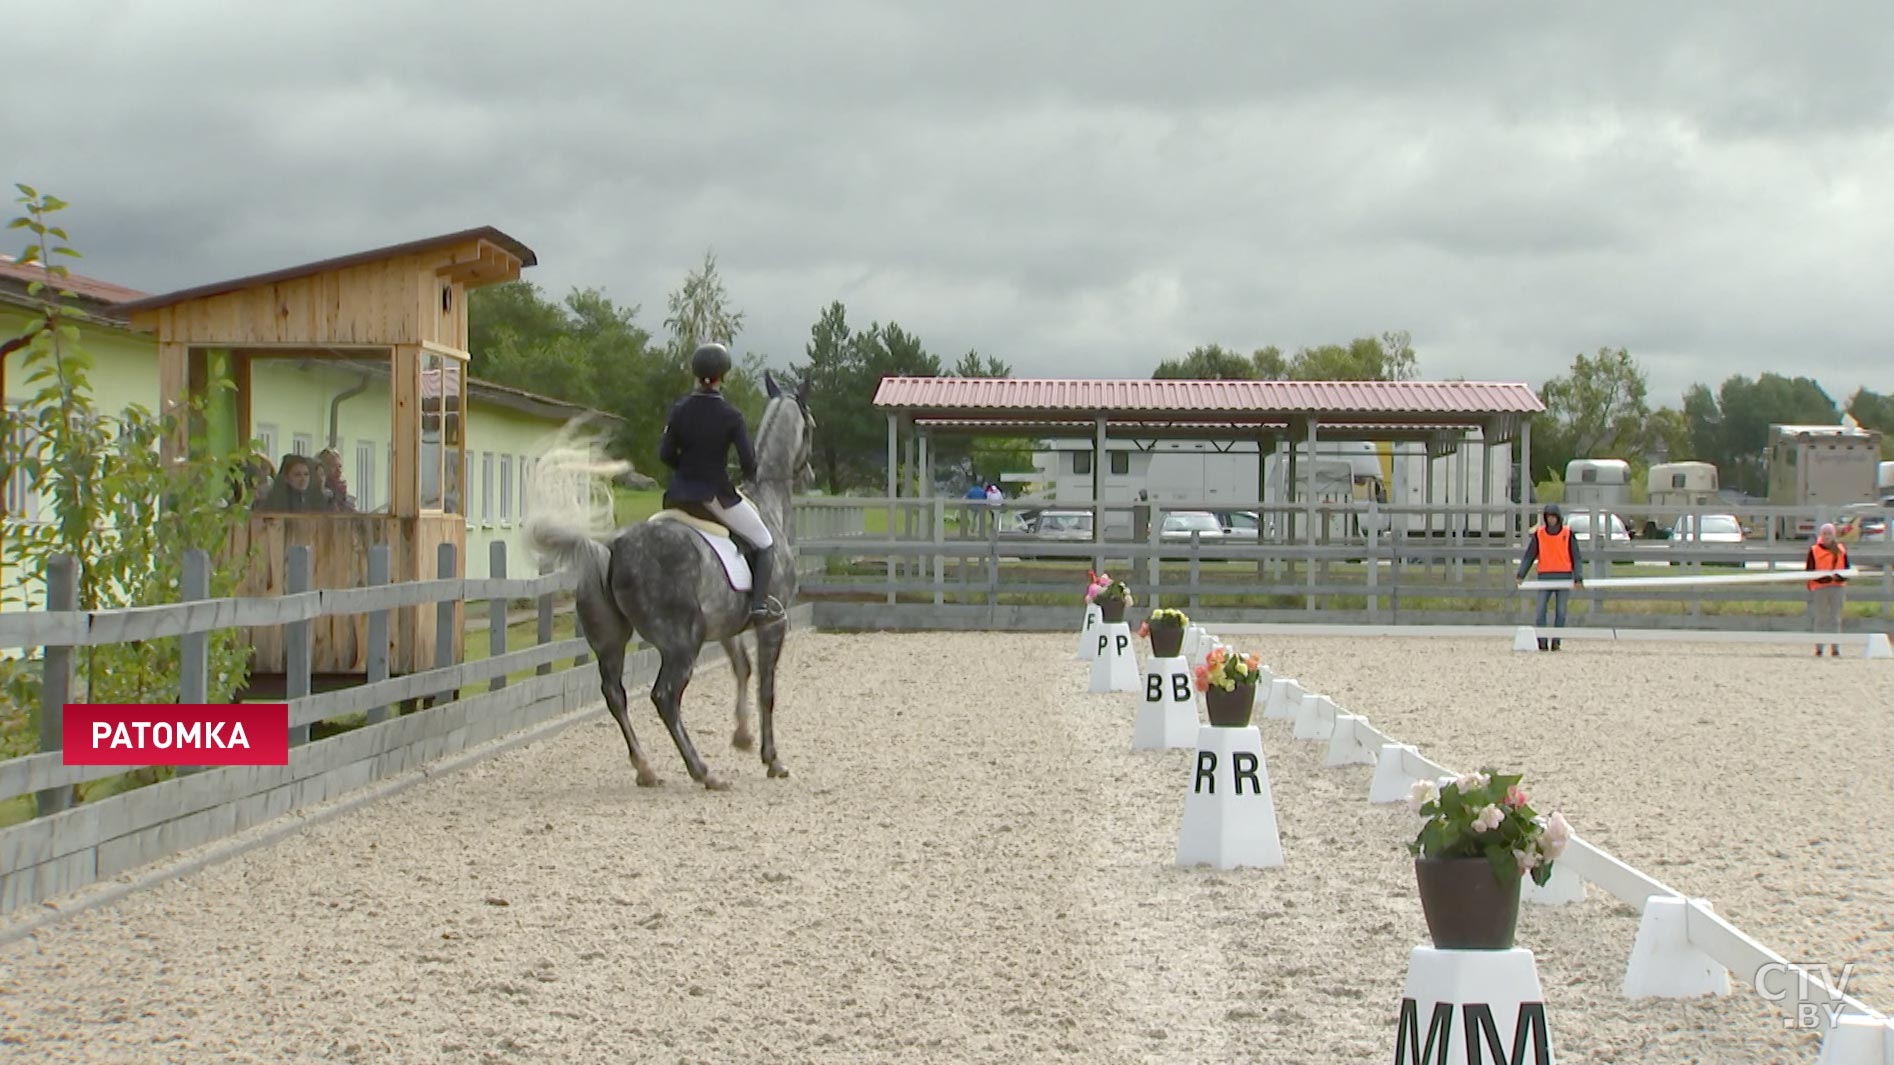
611	672
739	655
674	675
769	647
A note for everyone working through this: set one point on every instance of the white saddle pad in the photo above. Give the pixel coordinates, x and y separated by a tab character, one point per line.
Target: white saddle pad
736	569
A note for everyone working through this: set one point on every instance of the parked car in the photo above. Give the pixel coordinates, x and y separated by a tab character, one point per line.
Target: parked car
1180	524
1241	525
1580	524
1713	529
1063	525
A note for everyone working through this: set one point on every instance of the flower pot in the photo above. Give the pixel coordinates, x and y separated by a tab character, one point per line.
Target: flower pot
1167	639
1230	709
1466	905
1112	610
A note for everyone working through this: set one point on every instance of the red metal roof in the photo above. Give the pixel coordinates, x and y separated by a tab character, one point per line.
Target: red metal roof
955	395
85	287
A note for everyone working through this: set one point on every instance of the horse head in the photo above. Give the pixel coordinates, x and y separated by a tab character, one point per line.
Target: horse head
804	447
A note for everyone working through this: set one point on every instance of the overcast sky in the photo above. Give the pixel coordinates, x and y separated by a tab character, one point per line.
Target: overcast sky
1081	189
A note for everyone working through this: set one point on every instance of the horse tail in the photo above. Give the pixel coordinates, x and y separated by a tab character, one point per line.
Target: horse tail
567	513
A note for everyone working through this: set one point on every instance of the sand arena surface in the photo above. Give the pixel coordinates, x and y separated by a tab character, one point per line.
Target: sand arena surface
970	864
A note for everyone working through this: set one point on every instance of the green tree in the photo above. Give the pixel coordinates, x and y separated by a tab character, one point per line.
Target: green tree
1209	362
700	311
1875	411
1596	410
124	514
1731	428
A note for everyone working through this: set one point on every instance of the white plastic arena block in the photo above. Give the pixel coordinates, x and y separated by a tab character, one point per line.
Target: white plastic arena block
1229	811
1315	717
1566	886
1525	639
1391	782
1194	645
1472	1005
1858	1040
1878	646
1344	744
1664	963
1088	632
1115	669
1285	695
1167	715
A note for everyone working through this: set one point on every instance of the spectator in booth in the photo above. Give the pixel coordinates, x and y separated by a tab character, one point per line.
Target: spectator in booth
1553	549
329	462
1826	594
295	490
252	480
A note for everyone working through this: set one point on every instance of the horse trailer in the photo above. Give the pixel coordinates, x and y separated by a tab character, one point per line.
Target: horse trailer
1821	466
1681	484
1602	483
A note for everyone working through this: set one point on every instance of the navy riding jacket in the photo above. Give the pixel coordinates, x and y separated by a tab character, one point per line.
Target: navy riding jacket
698	436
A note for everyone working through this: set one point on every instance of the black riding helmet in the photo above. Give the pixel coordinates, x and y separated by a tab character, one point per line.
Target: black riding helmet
710	361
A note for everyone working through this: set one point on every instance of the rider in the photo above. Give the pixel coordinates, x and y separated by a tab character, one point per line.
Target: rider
698	434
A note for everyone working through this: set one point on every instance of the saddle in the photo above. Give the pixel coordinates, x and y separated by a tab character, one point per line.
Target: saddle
726	545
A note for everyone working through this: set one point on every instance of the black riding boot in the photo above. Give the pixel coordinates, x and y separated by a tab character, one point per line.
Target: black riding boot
761	612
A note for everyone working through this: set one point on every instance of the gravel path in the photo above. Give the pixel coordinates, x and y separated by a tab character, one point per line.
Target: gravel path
970	864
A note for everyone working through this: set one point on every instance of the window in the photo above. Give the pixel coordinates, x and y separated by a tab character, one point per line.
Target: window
506	489
1677	480
1121	462
1081	462
365	475
266	436
486	486
523	476
303	444
21	499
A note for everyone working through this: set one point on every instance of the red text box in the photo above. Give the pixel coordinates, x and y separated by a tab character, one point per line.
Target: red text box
176	734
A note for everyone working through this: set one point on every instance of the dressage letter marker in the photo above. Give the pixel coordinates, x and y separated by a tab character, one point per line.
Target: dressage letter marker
1229	813
1115	669
1472	1005
1168	716
1088	633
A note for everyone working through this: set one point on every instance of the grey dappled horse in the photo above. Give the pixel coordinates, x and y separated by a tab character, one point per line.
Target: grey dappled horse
659	579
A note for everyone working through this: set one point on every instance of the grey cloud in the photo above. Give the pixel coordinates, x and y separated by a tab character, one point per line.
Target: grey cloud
1076	188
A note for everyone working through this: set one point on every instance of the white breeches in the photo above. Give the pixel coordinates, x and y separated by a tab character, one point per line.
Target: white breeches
744	521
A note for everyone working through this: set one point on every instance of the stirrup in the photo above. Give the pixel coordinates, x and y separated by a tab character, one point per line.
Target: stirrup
768	612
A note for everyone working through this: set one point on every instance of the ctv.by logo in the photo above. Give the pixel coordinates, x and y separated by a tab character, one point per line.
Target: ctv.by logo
1808	993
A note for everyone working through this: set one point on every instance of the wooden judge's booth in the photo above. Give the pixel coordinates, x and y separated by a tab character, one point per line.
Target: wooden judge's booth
396	318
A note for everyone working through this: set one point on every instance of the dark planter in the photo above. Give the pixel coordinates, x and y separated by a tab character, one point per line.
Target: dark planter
1111	610
1230	709
1466	906
1167	639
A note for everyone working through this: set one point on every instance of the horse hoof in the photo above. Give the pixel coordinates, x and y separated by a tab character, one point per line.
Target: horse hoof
776	771
648	779
742	741
715	783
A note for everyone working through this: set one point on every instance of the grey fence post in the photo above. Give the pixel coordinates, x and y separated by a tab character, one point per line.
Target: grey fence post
496	610
377	663
296	641
444	616
545	619
62	594
194	647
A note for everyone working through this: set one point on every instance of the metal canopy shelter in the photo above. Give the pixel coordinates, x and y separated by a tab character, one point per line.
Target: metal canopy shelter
1441	414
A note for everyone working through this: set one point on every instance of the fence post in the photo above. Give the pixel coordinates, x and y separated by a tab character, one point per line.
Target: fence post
1374	562
296	641
194	647
444	616
545	619
496	611
378	629
62	594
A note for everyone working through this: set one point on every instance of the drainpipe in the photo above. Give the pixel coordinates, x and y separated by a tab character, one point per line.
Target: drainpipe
336	404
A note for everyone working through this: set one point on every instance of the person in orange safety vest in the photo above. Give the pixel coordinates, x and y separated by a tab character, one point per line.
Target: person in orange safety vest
1554	549
1826	593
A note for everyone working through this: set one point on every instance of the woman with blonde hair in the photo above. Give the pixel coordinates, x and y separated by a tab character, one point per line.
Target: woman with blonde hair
1826	593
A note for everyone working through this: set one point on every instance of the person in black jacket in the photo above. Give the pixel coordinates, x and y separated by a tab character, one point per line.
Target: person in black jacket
698	435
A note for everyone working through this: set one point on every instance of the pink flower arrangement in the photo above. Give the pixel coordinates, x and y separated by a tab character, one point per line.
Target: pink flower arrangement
1487	815
1226	669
